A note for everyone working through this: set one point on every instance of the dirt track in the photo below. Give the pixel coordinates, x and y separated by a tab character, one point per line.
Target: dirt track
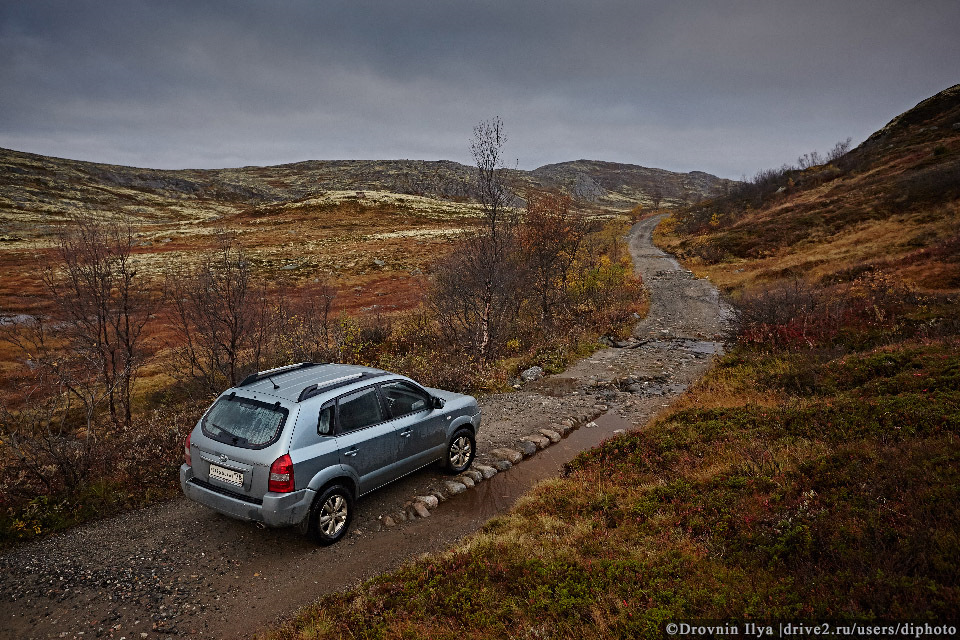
178	568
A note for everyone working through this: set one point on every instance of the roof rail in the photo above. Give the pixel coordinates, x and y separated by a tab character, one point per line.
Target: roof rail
314	389
263	375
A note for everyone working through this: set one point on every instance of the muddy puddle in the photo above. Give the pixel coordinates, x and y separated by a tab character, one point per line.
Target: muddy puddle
498	494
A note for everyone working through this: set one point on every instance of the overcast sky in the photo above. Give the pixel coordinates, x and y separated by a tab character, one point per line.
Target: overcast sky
726	87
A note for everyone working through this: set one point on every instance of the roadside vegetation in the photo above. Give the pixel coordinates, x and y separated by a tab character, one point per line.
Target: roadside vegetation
812	477
813	473
117	367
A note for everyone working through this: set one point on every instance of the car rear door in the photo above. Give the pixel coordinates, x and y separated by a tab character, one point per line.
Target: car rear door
366	440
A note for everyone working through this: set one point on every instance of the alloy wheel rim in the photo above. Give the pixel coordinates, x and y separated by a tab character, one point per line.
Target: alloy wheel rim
333	515
460	451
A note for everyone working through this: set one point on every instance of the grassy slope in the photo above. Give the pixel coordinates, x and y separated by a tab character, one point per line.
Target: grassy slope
891	204
806	483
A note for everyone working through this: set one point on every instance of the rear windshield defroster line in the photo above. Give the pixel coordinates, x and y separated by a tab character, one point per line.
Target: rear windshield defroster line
244	422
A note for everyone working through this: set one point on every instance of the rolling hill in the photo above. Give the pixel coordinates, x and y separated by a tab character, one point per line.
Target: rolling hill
892	204
37	190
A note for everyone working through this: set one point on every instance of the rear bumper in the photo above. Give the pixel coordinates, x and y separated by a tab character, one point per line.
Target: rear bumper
275	510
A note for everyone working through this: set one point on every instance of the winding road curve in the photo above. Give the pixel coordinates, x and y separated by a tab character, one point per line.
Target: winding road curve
178	568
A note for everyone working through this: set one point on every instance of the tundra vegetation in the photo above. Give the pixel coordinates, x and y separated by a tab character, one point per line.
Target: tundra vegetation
108	374
813	473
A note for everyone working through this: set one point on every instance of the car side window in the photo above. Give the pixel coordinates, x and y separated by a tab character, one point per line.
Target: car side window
325	422
403	398
359	409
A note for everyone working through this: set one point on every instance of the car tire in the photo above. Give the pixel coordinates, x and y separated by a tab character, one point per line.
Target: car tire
330	517
460	451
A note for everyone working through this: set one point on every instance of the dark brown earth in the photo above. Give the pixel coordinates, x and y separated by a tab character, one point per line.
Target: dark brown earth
180	569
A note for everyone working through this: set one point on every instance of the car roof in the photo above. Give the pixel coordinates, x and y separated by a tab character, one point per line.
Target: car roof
298	382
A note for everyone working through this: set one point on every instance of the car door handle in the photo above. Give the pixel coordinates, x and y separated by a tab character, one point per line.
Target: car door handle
407	433
351	452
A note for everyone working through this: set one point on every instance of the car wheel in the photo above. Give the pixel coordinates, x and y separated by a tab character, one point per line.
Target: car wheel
331	515
460	451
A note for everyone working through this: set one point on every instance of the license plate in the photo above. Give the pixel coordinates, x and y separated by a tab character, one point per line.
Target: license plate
226	475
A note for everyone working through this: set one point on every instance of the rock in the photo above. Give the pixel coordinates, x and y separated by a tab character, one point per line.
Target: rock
502	465
531	374
528	448
430	502
467	481
590	425
379	263
600	407
421	509
553	435
438	495
955	126
562	428
488	472
388	522
453	487
541	442
507	454
474	475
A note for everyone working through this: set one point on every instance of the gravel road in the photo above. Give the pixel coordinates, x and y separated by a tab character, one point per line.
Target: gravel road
179	569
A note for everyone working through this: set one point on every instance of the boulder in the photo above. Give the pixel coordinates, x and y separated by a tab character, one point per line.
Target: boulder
467	481
430	502
509	455
421	509
502	465
553	435
541	442
453	487
528	448
531	374
487	471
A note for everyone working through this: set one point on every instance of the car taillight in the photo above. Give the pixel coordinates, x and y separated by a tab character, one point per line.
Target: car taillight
186	451
281	475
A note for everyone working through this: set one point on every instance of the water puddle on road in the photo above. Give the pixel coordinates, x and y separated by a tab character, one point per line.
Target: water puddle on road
498	494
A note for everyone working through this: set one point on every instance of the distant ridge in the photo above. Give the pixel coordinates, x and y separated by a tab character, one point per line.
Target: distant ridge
35	188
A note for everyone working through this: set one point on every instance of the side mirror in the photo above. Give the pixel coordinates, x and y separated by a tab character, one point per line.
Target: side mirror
438	403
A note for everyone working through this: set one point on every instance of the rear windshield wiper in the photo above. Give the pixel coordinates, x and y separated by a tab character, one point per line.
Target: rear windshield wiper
237	440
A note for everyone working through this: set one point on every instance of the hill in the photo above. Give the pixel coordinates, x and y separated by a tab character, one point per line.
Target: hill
892	204
36	190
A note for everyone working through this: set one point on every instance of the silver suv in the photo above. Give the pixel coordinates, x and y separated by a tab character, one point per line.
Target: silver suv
299	444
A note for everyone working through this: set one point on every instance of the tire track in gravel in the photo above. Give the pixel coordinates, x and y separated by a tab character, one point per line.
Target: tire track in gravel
179	569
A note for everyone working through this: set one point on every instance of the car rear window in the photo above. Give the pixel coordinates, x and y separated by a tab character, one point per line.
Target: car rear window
244	422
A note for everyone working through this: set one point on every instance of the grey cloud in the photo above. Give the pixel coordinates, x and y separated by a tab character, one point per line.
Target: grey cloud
725	87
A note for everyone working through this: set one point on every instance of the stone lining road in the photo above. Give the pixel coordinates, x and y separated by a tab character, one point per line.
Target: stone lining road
179	569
